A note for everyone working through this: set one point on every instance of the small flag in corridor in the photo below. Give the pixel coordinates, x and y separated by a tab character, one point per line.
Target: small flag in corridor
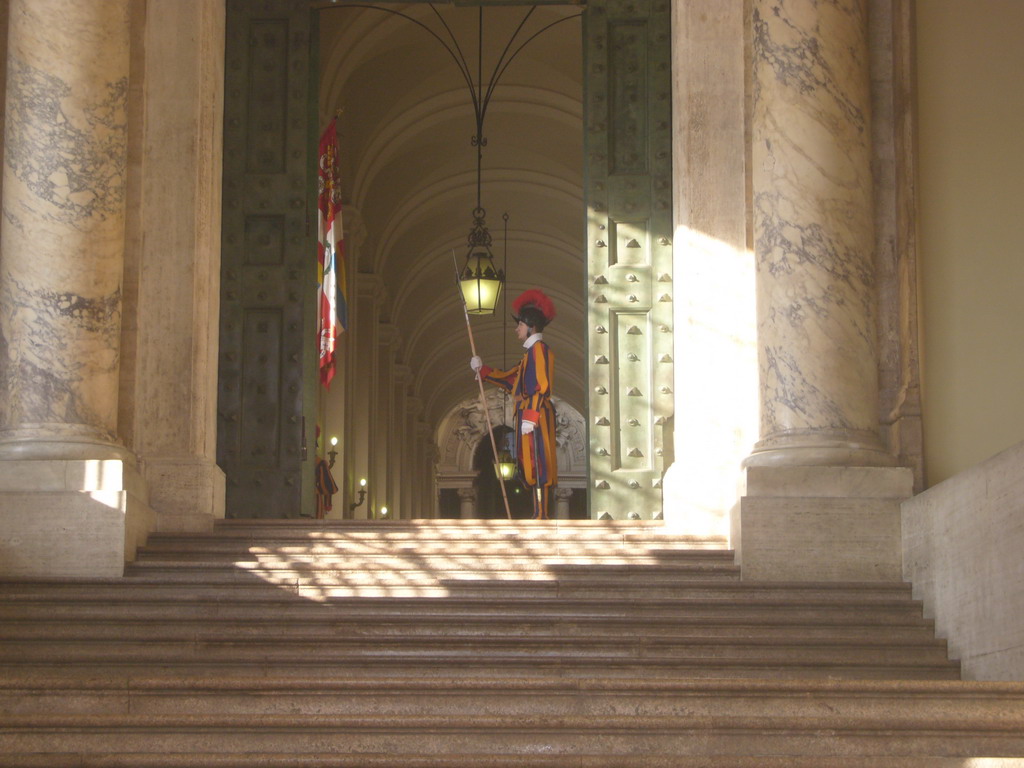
331	277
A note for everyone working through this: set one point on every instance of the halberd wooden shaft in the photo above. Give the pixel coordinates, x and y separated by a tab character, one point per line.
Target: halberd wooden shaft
483	397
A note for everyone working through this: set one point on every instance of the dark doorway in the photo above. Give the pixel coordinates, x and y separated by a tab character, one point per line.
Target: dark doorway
489	503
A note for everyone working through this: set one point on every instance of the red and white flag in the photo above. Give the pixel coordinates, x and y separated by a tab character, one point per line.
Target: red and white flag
331	277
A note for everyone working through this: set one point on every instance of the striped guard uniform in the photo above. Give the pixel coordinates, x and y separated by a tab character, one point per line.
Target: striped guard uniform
530	384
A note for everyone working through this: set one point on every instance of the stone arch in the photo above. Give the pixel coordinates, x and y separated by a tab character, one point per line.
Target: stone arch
460	431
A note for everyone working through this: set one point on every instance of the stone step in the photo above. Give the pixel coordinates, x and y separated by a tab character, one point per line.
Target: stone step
394	530
567	735
406	559
643	670
297	759
662	549
477	643
999	704
351	570
452	612
455	527
259	586
326	629
545	590
479	580
282	604
477	649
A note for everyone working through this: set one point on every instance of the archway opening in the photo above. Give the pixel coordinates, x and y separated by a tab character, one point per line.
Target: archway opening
489	502
405	125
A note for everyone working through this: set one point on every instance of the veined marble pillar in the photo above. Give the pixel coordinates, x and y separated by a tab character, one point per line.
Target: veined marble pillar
822	501
814	235
68	489
65	162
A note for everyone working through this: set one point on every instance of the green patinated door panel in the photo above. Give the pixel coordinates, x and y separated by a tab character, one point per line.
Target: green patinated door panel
268	255
628	192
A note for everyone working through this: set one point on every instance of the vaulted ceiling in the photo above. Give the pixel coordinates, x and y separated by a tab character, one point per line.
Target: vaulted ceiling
409	177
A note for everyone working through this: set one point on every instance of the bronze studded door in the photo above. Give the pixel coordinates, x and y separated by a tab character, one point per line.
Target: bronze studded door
268	254
628	191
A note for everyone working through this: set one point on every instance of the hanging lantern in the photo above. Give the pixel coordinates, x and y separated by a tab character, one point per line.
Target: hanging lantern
479	279
505	466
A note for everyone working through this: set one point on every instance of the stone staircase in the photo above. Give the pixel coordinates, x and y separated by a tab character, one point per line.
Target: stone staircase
450	644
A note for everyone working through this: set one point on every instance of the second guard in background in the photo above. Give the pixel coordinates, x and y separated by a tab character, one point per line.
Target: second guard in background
530	385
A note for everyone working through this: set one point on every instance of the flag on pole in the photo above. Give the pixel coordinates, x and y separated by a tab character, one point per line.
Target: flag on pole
331	277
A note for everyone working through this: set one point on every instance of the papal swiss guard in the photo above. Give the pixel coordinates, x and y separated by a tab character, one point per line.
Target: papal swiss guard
530	385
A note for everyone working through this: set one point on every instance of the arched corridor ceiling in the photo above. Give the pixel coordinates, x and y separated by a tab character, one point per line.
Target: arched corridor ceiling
409	178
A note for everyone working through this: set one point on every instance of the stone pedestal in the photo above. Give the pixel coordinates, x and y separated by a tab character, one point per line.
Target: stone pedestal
821	523
70	518
562	496
188	492
467	503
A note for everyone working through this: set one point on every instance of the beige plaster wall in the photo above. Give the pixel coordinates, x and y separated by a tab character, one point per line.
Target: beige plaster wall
971	119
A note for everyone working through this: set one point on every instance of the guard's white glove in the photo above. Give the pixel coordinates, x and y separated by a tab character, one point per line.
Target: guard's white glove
476	364
527	427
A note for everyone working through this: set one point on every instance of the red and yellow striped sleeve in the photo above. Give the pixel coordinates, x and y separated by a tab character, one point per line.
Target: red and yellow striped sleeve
537	380
504	379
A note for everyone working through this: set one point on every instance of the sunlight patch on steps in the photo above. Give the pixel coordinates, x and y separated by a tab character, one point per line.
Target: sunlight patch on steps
394	564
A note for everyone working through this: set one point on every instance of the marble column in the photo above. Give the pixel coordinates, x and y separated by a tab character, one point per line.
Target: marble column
383	434
344	398
364	403
814	235
410	474
426	471
399	440
71	502
562	496
467	503
65	160
822	497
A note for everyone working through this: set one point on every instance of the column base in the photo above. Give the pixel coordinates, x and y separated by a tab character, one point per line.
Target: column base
70	518
36	442
821	523
820	448
187	493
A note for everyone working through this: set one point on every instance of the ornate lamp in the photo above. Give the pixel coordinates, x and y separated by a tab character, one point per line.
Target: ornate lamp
479	279
362	495
505	466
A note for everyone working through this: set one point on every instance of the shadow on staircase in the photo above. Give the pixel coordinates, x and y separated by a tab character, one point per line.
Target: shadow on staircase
479	643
